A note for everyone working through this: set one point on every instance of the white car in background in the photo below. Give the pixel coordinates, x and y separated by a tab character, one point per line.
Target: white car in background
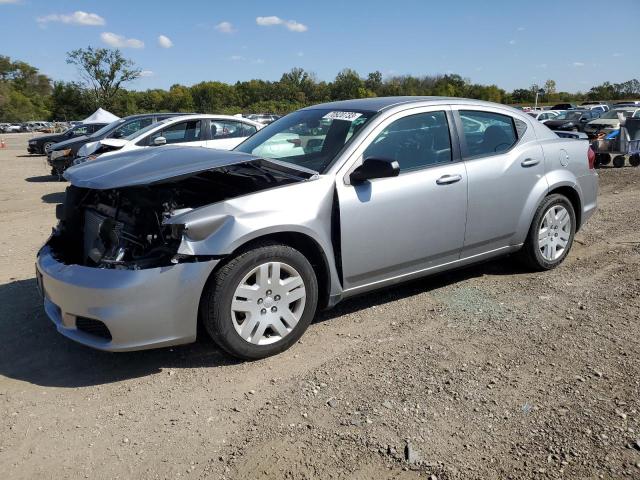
223	132
543	116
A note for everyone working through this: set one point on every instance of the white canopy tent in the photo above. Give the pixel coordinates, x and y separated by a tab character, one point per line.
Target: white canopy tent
100	116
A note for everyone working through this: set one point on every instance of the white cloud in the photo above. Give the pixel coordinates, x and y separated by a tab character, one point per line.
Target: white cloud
236	58
225	27
7	2
542	65
75	18
164	41
290	25
146	73
512	42
578	64
521	29
300	54
118	41
258	61
618	54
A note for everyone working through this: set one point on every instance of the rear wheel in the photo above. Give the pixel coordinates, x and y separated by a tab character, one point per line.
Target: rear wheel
634	160
551	233
260	302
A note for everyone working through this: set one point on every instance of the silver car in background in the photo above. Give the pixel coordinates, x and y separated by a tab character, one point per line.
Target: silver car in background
326	203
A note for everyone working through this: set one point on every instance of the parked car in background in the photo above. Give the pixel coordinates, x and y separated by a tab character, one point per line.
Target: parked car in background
211	131
155	242
42	145
572	120
62	155
563	106
13	128
596	107
630	103
543	116
610	121
264	118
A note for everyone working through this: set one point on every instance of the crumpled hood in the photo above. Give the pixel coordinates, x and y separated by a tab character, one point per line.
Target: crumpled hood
150	165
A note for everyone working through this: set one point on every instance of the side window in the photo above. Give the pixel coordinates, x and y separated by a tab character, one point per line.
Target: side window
415	142
221	129
488	133
182	132
131	127
248	130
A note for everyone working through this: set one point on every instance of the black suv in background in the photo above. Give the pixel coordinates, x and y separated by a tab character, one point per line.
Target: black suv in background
42	145
62	155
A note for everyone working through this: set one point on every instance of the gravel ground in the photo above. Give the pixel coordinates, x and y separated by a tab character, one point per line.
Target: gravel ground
487	372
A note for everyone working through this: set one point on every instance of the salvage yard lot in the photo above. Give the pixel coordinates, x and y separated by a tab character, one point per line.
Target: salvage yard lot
487	372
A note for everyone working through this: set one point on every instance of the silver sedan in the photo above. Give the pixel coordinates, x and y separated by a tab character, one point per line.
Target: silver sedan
328	202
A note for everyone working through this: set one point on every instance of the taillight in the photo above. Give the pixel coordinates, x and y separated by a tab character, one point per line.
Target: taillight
591	155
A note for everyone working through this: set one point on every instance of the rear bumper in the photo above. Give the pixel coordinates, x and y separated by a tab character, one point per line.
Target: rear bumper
589	190
140	308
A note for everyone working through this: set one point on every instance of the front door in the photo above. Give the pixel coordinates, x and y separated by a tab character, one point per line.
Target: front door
393	227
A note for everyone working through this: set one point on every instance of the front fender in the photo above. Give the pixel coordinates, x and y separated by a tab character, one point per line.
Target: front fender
303	208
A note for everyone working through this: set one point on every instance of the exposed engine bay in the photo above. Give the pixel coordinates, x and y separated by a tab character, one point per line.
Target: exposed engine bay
123	228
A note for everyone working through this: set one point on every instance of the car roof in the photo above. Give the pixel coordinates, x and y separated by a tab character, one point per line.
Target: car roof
378	104
144	115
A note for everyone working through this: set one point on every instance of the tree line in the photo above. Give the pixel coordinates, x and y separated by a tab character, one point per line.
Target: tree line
26	94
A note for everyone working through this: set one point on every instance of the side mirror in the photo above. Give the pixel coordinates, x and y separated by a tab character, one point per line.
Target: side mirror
374	168
159	141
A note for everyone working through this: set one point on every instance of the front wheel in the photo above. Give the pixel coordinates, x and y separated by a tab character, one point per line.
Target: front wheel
551	234
46	148
260	302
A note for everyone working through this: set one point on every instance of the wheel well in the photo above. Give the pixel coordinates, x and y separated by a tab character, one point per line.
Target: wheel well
574	198
305	245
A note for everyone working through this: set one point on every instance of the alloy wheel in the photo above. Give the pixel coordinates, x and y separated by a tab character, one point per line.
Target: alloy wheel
554	233
268	303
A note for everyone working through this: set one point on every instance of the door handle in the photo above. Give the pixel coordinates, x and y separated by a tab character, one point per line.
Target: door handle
529	162
448	179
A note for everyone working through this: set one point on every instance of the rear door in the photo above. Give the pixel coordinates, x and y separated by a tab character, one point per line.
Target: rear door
394	227
505	169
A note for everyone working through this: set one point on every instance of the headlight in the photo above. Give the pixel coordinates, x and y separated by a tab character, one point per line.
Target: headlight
32	142
60	153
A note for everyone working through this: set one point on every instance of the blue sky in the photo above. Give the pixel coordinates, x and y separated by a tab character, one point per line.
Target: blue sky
512	43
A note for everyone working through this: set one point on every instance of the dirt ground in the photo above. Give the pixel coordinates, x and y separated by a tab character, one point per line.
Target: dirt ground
487	372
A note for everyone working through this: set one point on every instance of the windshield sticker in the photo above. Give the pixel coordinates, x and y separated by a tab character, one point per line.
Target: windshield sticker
347	116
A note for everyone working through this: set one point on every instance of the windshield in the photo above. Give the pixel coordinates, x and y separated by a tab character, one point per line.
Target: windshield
613	114
307	138
137	133
107	128
569	115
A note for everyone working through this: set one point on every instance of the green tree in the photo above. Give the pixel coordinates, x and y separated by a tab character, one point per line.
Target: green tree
103	71
347	84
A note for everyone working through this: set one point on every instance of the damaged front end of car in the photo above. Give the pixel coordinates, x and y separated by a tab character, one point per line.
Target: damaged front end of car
131	226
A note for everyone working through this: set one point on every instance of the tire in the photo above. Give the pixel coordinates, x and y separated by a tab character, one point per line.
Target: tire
531	253
618	161
634	160
46	147
262	331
